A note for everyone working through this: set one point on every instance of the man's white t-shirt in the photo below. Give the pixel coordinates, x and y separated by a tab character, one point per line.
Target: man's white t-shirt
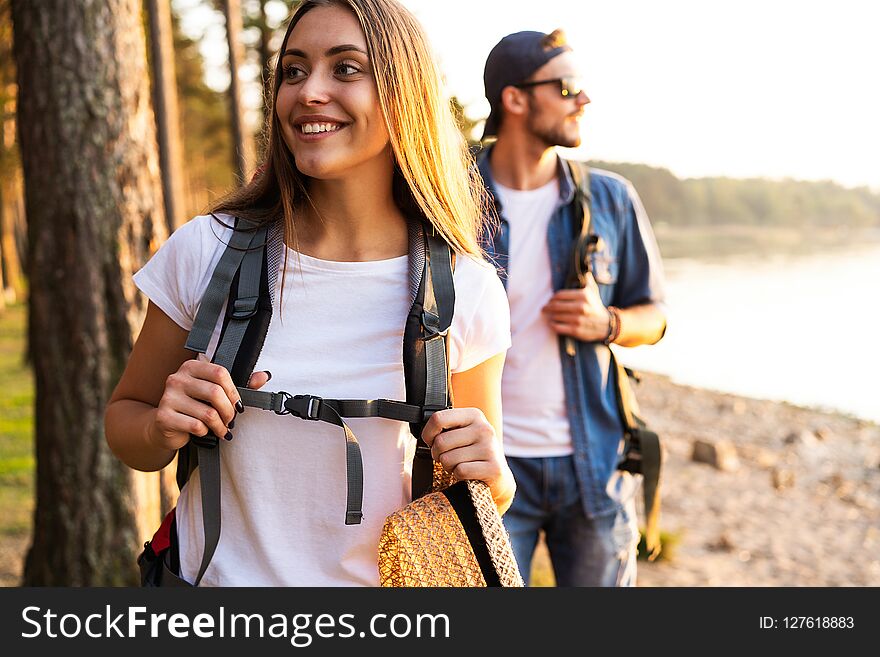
338	333
533	396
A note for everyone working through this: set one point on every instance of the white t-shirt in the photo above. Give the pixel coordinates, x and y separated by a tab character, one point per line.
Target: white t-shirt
339	334
533	396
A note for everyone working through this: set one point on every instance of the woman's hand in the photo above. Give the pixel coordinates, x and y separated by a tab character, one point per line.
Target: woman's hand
465	444
199	397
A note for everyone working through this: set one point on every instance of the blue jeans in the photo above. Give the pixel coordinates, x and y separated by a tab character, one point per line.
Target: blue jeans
584	552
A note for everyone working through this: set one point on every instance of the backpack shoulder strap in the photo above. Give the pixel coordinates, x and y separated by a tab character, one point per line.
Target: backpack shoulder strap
425	340
642	454
584	239
242	277
249	308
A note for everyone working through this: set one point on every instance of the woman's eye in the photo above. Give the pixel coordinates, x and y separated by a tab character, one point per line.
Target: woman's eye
347	69
293	73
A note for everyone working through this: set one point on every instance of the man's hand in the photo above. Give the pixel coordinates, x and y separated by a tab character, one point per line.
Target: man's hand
579	313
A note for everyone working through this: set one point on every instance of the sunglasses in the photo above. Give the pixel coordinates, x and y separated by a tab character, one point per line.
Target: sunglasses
568	87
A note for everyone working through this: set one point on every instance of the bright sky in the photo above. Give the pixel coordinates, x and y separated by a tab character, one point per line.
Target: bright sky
748	88
775	88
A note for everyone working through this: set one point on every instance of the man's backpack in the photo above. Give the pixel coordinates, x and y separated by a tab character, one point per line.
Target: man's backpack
244	279
642	453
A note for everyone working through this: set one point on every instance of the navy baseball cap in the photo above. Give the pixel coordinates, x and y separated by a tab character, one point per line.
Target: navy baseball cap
513	60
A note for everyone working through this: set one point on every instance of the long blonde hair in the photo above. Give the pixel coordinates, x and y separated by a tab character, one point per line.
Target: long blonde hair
434	173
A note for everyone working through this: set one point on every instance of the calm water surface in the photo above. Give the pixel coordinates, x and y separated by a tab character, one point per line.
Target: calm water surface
804	330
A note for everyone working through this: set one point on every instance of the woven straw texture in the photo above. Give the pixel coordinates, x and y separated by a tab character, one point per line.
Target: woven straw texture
497	539
424	544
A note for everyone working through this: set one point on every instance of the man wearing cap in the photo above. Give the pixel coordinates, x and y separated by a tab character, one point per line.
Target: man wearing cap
562	430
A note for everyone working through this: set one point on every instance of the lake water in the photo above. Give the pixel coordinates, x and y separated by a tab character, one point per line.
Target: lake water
804	330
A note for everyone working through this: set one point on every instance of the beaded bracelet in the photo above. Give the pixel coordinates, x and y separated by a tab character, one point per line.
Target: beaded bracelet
613	325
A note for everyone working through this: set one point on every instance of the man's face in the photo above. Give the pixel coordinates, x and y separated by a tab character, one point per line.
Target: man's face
552	117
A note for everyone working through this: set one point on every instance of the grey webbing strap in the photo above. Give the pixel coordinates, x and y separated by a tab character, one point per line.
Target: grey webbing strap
209	481
246	303
443	287
436	321
248	291
416	257
309	407
348	408
218	288
438	305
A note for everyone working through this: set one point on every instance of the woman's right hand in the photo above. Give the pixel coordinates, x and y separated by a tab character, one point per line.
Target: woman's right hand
199	397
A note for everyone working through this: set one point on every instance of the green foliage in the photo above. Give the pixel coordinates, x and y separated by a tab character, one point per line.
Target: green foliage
205	130
16	426
749	202
465	123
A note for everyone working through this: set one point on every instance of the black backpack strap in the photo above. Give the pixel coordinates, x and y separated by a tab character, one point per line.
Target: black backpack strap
241	277
642	452
217	292
585	241
642	455
310	407
246	276
425	343
426	371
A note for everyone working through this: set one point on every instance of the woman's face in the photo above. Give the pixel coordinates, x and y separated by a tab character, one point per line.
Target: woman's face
327	103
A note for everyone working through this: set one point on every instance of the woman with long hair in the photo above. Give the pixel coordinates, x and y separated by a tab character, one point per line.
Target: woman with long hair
361	143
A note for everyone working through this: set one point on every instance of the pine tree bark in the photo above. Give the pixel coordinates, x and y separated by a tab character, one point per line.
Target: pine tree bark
264	49
94	207
12	285
241	138
166	110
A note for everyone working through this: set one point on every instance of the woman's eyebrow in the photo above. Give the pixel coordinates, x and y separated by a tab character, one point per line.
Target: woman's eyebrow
335	50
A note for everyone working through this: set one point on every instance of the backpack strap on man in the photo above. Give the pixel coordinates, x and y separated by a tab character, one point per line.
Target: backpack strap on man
642	453
585	241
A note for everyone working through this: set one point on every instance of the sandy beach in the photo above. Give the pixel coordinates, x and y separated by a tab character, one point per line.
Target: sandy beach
798	505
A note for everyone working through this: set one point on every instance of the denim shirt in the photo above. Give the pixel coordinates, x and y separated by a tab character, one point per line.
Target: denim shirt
628	272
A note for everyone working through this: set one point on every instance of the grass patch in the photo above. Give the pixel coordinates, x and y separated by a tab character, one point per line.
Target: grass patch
16	426
668	543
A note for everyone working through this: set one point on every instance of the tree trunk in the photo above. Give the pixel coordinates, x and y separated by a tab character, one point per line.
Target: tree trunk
265	54
2	263
241	140
13	286
94	208
165	107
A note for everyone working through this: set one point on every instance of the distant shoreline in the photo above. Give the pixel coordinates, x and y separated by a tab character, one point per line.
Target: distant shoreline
708	389
658	379
722	243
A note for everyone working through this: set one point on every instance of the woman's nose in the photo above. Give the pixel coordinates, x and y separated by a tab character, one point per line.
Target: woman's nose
314	90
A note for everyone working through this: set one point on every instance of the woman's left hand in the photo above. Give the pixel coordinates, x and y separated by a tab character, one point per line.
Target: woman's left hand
465	444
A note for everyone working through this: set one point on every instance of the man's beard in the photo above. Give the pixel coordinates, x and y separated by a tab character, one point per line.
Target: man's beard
553	135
